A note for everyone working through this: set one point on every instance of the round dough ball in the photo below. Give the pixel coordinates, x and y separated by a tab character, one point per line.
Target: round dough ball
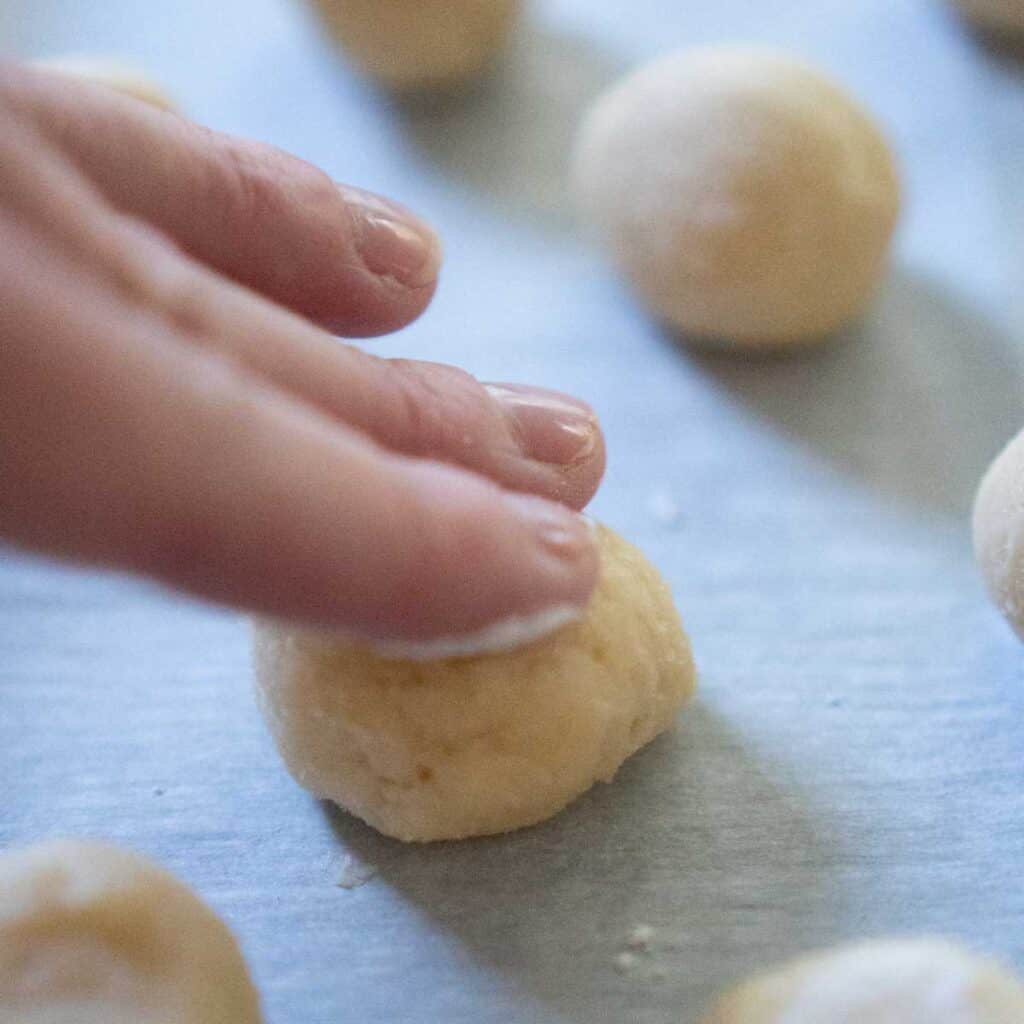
998	528
899	981
478	745
113	75
420	44
994	15
747	199
91	934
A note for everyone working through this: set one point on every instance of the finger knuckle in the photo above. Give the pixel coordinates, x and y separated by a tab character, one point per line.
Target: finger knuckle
440	407
257	183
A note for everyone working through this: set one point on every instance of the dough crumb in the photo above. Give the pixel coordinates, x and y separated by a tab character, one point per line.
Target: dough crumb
625	962
636	955
640	938
663	508
355	873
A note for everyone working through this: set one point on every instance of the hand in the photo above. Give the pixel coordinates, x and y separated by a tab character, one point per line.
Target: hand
168	405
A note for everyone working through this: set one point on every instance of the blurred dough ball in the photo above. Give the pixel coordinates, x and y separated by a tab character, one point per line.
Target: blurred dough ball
746	197
908	981
92	934
420	44
994	15
999	531
479	745
111	74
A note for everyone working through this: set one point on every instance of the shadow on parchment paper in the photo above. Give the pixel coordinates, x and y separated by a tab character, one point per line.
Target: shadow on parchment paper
510	138
694	838
1005	47
1008	50
915	401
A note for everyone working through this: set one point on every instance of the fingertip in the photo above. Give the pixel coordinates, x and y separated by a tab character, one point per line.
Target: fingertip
364	305
484	558
392	241
558	431
561	543
398	258
583	479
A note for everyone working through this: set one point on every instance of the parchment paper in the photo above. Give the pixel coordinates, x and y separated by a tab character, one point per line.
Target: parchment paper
854	764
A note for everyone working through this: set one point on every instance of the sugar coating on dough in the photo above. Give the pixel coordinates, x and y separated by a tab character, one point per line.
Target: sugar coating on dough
113	75
998	528
995	15
92	934
420	44
745	197
503	635
896	981
486	744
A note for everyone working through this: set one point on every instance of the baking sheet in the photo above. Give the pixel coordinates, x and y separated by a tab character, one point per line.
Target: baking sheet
854	764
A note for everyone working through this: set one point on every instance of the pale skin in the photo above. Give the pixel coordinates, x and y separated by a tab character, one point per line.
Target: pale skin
173	402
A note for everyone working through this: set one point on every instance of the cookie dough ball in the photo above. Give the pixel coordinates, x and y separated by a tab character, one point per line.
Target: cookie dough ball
746	198
909	981
420	44
999	532
113	75
91	934
1000	16
479	745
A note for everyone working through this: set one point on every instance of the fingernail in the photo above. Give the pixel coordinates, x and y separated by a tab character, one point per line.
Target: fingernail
550	427
560	533
392	241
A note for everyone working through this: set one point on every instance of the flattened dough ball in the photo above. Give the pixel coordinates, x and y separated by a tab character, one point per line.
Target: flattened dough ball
112	75
479	745
898	981
1001	16
746	198
998	527
92	934
411	45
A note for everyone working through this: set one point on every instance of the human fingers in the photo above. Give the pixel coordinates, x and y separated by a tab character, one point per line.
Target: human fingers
124	443
525	438
350	260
